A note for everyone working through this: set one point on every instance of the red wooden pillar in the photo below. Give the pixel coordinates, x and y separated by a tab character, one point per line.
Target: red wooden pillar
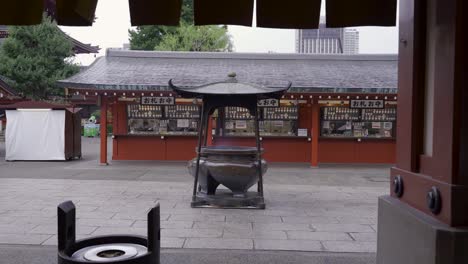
315	133
103	131
209	139
425	219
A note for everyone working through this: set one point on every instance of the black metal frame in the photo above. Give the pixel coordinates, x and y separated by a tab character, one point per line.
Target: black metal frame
67	244
245	96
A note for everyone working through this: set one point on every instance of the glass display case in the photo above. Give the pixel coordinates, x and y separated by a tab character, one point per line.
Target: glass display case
358	123
274	121
163	120
239	122
280	121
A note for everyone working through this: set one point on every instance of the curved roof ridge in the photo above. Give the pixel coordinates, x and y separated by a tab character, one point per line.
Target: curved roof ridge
140	71
115	52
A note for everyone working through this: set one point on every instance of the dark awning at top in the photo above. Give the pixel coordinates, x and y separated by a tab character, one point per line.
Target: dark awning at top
269	13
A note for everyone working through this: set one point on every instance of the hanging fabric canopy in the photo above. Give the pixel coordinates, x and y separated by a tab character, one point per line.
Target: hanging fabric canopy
75	12
347	13
21	12
300	14
288	14
215	12
155	12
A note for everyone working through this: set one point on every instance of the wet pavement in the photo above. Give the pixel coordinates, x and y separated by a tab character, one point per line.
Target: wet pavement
328	209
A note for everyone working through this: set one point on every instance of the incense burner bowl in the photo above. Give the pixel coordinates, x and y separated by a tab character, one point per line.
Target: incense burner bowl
234	167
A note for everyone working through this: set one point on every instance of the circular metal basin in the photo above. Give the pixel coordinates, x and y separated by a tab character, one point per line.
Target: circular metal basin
109	252
234	167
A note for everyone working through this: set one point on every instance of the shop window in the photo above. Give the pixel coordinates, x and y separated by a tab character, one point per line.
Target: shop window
343	122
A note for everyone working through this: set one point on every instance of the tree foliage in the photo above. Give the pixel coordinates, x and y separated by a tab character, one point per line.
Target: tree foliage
185	37
192	38
35	57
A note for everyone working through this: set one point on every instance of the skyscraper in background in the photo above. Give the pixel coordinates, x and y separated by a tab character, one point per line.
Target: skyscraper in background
327	40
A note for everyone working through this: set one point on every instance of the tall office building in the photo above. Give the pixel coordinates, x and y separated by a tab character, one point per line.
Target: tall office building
327	40
350	41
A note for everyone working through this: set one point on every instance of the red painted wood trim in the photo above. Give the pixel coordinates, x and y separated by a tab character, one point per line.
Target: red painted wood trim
209	139
315	134
411	84
103	130
454	202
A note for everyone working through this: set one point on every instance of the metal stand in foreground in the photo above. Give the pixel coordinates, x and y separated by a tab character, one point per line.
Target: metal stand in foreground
121	249
236	167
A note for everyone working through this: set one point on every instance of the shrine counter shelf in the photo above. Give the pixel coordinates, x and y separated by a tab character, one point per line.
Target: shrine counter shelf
154	135
240	136
356	138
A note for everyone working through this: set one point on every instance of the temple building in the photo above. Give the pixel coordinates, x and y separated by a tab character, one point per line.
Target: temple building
340	109
78	47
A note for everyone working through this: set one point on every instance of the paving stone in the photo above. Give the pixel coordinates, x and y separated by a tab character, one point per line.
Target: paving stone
253	219
130	216
16	229
198	218
94	215
29	213
349	246
172	242
366	237
223	225
166	224
120	231
297	245
260	234
52	230
105	222
305	235
281	226
309	220
282	212
342	227
340	202
357	220
23	239
9	219
188	211
211	233
53	240
216	243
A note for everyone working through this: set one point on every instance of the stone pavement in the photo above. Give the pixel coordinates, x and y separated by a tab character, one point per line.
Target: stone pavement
48	255
330	209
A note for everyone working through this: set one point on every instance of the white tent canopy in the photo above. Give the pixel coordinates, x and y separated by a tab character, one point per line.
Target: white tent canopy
35	134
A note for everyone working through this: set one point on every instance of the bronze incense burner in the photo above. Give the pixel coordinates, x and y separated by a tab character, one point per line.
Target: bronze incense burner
236	167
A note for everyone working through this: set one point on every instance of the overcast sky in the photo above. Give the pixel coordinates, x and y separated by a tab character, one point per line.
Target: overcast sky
113	21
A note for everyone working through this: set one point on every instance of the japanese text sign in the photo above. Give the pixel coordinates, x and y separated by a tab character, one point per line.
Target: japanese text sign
367	104
162	100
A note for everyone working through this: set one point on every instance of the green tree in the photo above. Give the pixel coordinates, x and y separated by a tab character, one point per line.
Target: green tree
35	57
193	38
185	37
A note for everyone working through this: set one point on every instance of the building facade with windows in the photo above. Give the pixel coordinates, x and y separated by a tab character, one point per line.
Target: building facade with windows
327	40
340	108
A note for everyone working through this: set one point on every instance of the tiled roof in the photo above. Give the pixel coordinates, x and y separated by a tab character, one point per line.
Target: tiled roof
78	47
151	70
6	87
